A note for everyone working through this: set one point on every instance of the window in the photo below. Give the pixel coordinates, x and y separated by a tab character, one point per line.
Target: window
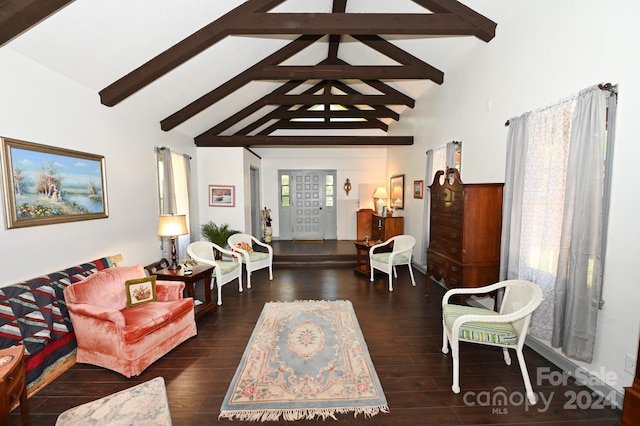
329	187
285	190
173	190
555	213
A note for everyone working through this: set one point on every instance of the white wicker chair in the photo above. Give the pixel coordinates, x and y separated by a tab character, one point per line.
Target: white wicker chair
506	328
388	261
223	271
253	260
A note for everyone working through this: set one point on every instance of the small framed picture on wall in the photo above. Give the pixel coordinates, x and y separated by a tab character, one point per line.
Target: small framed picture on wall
418	189
222	195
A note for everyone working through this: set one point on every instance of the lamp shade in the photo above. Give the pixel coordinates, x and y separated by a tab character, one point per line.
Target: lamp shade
171	225
381	192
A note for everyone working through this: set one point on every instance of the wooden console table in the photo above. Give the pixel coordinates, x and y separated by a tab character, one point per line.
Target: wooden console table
200	273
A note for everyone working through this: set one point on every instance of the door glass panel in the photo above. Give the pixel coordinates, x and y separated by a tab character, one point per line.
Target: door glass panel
284	195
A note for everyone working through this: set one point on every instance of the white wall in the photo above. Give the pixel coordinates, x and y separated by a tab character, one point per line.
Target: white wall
37	105
223	166
360	165
546	51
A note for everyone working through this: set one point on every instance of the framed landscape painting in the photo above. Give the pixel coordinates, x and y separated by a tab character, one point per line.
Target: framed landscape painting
45	185
222	195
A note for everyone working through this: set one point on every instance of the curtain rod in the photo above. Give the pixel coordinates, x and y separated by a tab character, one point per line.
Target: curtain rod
162	148
606	86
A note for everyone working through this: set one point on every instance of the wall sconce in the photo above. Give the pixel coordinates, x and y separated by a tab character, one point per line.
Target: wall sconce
172	225
347	186
381	194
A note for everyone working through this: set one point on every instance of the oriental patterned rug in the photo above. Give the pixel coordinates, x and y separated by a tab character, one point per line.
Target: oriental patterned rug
305	360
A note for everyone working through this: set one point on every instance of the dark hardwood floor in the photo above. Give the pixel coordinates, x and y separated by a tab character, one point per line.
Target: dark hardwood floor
402	330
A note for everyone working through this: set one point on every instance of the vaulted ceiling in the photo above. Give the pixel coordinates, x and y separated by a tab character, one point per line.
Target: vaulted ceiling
250	73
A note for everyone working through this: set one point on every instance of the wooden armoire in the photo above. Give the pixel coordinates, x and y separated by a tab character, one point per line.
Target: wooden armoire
465	224
631	405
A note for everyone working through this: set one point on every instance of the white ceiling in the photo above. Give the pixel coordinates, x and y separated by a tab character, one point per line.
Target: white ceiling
94	43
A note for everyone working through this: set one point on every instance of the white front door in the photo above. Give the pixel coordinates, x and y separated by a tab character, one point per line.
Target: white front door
311	213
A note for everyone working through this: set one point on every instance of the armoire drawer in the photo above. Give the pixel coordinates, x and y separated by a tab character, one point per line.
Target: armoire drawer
446	219
441	268
445	246
452	234
446	207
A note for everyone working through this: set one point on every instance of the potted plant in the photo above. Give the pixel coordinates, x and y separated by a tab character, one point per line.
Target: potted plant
217	234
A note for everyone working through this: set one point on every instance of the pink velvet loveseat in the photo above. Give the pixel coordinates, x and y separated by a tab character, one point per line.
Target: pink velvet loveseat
127	339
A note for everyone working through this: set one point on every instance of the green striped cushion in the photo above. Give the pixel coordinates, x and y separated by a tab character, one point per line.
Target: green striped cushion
384	258
254	256
488	332
226	267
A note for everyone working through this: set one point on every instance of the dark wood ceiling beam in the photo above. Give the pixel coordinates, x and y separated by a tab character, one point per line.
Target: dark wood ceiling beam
265	119
180	52
379	124
250	109
339	6
379	86
439	24
390	91
343	72
394	52
301	141
307	125
17	16
235	83
351	91
486	27
352	113
346	100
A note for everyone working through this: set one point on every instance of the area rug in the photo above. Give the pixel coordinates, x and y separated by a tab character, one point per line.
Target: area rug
305	360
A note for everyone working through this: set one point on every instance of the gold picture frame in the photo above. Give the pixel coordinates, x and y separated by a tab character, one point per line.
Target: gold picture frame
418	189
396	191
45	185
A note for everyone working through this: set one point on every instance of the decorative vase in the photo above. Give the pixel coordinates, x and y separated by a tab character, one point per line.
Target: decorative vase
268	232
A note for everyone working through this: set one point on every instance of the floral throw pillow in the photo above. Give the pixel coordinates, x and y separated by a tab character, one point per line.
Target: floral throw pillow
245	246
141	290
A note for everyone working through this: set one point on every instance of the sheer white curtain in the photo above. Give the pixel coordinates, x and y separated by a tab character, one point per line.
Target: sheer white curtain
174	171
554	174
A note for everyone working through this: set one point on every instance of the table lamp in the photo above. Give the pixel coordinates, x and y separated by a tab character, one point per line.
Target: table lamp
381	195
172	225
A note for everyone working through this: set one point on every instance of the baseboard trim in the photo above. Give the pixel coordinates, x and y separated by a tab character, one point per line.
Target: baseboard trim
612	395
569	367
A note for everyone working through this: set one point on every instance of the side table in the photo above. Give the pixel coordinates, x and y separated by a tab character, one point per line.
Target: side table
13	384
362	257
200	273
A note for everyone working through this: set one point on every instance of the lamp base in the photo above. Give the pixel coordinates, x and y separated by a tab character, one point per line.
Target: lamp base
174	258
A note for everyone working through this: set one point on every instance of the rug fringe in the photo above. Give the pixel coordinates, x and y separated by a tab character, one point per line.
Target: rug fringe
300	414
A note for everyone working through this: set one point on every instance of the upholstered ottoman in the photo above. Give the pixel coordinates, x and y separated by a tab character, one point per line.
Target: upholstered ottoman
142	405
